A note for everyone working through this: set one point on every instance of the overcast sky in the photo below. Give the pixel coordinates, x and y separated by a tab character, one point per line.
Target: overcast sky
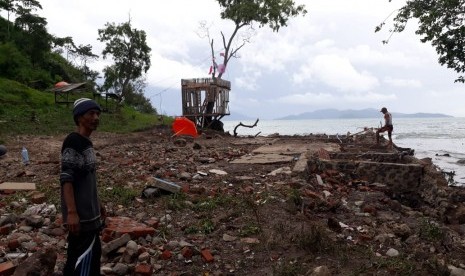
330	58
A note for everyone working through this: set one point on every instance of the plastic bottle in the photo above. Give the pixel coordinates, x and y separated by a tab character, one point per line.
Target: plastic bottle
25	156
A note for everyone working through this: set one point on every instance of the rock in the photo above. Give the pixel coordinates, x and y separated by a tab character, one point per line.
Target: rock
183	243
145	256
229	238
35	221
3	150
461	162
320	271
41	263
172	245
130	252
250	240
8	219
120	269
392	252
218	172
185	176
115	244
106	270
25	228
402	230
455	271
334	225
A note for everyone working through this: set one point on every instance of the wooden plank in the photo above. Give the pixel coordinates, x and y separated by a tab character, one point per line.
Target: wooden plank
17	186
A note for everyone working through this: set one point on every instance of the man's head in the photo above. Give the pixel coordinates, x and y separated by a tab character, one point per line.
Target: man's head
82	106
383	110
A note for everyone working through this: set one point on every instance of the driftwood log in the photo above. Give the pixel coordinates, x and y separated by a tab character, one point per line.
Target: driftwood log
249	126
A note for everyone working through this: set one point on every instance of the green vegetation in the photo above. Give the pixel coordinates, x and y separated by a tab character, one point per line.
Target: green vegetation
249	230
439	23
119	195
430	231
28	111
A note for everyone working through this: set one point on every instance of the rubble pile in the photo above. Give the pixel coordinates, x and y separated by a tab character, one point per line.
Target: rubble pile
222	205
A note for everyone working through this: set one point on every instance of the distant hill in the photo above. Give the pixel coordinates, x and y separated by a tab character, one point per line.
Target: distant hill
355	114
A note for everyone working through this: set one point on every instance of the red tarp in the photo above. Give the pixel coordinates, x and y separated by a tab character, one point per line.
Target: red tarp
61	84
184	126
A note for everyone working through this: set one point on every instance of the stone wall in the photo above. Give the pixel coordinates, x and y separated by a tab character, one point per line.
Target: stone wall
369	156
401	177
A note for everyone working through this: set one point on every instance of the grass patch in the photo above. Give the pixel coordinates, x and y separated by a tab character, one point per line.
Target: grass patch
118	195
176	201
29	111
250	229
205	226
398	265
212	203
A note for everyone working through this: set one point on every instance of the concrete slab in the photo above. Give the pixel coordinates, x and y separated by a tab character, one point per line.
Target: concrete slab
271	158
296	147
254	141
301	164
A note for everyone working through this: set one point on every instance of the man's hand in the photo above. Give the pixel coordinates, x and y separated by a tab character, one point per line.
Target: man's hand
73	223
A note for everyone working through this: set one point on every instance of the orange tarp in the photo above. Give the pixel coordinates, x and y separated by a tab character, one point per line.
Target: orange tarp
184	126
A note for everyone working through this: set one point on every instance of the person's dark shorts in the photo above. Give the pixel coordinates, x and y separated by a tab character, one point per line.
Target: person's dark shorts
389	129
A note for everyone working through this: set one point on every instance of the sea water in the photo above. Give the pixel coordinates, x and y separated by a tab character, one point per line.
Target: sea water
441	139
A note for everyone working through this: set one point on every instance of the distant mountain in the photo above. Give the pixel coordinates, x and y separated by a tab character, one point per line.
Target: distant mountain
355	114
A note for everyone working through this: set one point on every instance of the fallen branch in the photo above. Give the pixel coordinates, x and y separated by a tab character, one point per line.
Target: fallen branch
241	124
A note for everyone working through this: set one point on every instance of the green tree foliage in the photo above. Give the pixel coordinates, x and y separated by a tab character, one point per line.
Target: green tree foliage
440	22
272	13
131	56
14	64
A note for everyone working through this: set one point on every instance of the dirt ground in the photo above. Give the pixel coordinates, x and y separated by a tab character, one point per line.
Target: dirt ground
256	217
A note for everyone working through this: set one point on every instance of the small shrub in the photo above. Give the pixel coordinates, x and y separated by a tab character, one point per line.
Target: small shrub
191	230
207	226
176	201
396	265
314	240
430	230
296	197
250	230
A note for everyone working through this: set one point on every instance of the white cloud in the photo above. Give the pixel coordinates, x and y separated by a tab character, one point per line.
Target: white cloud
248	81
337	72
403	82
307	99
332	53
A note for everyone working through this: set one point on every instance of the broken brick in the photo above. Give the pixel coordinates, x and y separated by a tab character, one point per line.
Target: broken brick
207	256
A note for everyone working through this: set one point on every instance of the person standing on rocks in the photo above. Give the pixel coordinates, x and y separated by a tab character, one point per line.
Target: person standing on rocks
83	215
387	126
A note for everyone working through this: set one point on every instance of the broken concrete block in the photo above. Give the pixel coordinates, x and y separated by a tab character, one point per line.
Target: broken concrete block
17	186
41	263
166	185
